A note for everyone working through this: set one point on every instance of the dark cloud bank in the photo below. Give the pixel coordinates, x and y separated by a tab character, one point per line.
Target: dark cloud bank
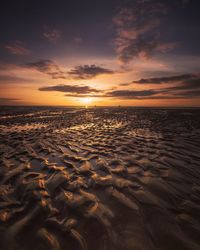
78	72
88	71
70	89
182	86
48	67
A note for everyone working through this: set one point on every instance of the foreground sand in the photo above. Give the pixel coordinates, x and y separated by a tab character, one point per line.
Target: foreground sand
104	178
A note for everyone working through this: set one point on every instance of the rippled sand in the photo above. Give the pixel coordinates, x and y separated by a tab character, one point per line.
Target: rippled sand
99	178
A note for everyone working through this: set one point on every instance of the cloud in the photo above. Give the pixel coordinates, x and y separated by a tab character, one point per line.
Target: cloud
86	91
181	86
73	89
153	94
48	67
125	84
8	101
52	69
131	94
138	33
189	94
190	84
88	71
53	35
84	95
185	82
165	79
17	49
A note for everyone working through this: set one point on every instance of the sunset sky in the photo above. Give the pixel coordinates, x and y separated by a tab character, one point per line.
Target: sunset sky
106	52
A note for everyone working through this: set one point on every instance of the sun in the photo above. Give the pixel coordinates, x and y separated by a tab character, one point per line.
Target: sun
86	100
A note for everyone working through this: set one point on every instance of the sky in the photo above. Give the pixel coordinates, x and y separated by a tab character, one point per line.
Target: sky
103	53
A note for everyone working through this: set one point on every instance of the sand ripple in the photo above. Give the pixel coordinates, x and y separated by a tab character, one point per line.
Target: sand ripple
99	178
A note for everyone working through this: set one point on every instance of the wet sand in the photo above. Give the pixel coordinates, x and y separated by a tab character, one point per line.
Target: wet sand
99	178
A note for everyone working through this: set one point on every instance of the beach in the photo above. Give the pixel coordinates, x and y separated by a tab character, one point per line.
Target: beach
110	178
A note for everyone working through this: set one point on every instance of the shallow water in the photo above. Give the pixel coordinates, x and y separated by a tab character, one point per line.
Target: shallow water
99	178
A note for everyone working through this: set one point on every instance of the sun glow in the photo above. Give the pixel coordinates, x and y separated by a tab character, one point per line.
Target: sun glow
86	100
